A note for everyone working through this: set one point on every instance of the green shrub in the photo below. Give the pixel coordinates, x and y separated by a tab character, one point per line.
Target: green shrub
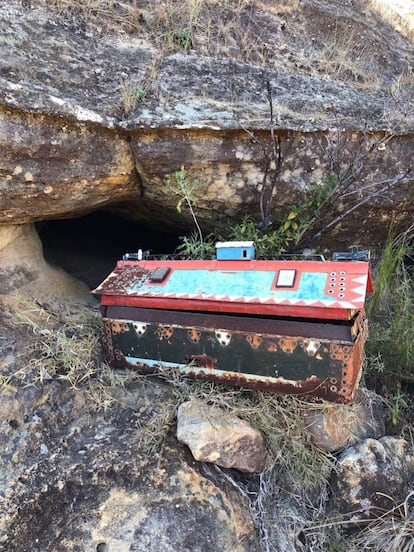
390	347
192	248
291	232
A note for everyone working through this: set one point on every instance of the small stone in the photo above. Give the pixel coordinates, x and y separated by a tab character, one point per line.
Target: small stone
223	439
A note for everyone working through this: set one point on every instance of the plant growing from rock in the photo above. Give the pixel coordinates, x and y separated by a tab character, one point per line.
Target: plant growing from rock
132	94
288	235
186	191
192	248
328	201
180	37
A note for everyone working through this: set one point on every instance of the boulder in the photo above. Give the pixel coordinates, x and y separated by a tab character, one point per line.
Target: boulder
214	436
334	427
372	477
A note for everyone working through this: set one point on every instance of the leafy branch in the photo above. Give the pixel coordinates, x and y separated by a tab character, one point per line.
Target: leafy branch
186	190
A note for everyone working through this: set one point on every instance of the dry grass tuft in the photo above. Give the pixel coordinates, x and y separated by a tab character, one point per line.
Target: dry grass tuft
63	345
153	431
66	346
345	57
104	13
393	531
132	92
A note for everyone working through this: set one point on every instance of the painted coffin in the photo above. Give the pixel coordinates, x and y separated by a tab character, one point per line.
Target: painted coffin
287	326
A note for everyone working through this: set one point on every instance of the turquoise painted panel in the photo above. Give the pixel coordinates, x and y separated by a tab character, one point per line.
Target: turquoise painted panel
311	286
243	283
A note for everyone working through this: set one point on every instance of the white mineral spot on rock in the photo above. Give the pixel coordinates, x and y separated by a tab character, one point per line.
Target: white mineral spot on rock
84	114
369	473
13	85
56	100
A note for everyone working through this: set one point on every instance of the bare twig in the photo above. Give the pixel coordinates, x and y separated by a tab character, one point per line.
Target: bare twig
359	204
274	156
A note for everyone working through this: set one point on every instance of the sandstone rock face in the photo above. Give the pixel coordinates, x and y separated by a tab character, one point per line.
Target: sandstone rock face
336	427
216	437
83	65
57	169
23	270
229	168
373	476
76	135
74	478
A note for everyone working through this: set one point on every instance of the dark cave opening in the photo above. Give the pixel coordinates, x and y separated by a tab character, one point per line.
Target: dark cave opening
89	247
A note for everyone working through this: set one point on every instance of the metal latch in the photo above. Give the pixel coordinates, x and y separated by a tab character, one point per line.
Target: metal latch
354	255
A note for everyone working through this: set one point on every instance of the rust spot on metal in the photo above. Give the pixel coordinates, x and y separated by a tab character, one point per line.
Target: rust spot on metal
312	386
122	278
288	345
164	332
201	360
118	327
194	335
254	340
271	347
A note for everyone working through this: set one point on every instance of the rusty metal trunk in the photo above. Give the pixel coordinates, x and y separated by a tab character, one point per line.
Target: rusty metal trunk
282	325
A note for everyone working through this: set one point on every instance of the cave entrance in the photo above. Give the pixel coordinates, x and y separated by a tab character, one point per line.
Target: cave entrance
88	247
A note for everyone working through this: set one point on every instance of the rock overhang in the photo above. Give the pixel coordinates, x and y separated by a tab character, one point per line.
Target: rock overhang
62	84
56	68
